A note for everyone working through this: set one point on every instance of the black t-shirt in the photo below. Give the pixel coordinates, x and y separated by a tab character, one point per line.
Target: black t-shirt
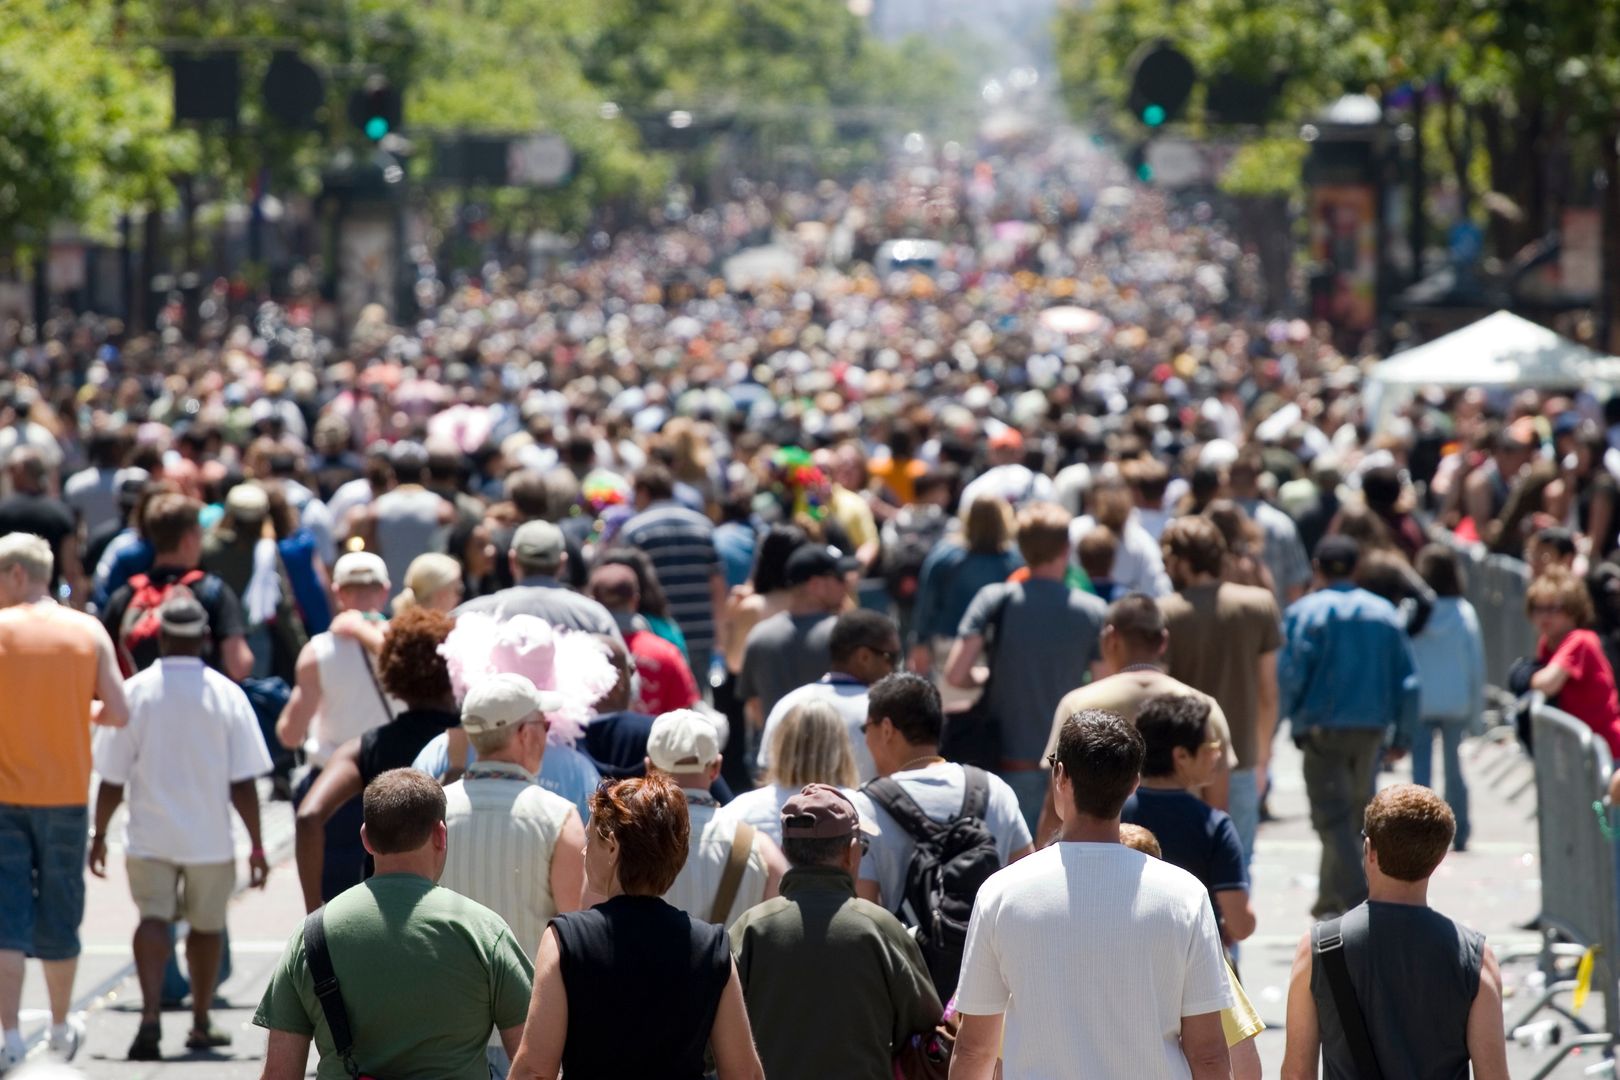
396	744
217	598
45	517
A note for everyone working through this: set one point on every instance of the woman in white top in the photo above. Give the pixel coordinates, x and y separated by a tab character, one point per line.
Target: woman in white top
810	746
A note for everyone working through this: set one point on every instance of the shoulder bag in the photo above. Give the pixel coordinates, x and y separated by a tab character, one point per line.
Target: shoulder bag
742	843
973	736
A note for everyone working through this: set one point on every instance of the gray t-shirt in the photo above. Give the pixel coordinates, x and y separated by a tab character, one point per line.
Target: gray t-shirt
783	653
549	599
938	789
1045	644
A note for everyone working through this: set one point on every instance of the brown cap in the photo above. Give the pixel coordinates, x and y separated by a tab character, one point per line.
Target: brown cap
820	812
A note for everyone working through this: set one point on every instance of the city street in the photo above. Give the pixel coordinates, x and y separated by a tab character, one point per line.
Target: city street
1492	887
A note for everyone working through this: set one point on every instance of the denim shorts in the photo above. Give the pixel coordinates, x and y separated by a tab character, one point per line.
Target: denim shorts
42	852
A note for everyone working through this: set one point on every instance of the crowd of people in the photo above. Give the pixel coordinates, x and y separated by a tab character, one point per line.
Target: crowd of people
788	665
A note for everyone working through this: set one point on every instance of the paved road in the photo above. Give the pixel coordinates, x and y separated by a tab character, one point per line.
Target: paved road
1493	887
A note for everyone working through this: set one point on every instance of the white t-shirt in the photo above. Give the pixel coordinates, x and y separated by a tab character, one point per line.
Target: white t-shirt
191	735
938	789
847	695
1095	953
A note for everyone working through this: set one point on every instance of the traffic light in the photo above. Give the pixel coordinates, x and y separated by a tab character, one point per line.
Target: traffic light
293	91
1161	81
1136	160
207	85
375	108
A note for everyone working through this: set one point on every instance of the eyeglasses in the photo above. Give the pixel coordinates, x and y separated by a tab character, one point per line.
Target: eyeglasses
1051	761
891	656
865	842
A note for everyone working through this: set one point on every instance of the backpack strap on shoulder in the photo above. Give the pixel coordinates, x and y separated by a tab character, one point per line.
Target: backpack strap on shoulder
1327	948
742	845
976	799
887	793
327	990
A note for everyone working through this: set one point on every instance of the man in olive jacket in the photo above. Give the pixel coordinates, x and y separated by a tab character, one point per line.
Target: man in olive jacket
817	953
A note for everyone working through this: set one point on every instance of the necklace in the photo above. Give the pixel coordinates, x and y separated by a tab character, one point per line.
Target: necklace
922	762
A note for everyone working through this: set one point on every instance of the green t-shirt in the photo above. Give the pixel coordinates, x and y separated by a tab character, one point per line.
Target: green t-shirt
425	974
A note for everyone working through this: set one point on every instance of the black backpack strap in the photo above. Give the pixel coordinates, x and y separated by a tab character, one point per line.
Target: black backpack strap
1327	945
887	793
327	990
976	799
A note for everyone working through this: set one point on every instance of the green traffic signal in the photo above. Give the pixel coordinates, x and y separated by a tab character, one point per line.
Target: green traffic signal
1144	173
1153	115
376	128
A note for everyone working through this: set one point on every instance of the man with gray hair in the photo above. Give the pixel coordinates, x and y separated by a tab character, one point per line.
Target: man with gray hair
539	556
503	826
54	665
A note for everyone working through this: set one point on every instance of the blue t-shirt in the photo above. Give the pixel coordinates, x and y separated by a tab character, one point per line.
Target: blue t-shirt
563	771
1192	834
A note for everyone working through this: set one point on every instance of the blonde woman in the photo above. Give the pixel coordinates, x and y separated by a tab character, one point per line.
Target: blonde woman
432	581
810	746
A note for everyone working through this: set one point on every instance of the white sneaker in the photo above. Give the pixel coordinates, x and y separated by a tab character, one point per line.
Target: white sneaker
67	1044
9	1059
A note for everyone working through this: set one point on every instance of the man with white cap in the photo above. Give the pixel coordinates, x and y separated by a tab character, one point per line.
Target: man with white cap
730	866
539	555
503	827
337	698
192	747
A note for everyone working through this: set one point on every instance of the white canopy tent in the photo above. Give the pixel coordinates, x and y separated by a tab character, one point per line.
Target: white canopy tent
1500	350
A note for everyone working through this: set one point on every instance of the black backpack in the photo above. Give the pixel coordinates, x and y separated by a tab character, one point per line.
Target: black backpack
949	864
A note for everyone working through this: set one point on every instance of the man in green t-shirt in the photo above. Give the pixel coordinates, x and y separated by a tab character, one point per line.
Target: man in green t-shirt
424	973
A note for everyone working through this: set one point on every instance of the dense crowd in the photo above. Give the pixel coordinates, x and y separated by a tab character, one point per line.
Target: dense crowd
848	613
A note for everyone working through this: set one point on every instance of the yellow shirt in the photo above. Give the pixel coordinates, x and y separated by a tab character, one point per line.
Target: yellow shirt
1240	1021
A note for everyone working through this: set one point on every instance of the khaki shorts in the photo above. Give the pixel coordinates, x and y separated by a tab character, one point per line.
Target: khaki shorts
162	890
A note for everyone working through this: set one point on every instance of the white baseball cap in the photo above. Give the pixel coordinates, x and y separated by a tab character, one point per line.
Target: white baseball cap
683	741
360	568
502	700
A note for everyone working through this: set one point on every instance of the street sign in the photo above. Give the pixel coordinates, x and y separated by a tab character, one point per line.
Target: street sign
539	161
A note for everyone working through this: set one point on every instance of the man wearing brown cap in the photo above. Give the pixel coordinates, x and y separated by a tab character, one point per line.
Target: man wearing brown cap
817	951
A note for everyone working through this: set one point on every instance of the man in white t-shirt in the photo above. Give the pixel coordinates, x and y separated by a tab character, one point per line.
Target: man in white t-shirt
719	862
191	751
1090	952
864	647
904	719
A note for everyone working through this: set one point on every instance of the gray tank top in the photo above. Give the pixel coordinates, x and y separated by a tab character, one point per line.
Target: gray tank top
407	524
1416	973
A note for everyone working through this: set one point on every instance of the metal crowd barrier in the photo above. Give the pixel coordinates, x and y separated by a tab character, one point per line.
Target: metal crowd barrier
1579	912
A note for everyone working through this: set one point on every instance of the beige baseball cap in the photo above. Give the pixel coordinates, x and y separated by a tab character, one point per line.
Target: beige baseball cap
502	700
683	741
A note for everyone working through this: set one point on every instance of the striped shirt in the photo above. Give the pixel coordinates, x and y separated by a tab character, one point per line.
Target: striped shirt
698	885
503	830
680	543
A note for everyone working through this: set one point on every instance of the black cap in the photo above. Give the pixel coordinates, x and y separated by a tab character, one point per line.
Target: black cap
817	560
1336	556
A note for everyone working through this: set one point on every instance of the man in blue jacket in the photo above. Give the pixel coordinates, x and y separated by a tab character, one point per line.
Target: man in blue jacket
1349	685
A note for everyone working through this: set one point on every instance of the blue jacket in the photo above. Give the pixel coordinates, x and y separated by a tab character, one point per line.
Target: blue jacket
1451	662
1346	663
951	577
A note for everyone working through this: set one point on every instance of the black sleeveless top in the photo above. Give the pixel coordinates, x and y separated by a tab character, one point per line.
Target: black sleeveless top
395	744
1415	973
644	981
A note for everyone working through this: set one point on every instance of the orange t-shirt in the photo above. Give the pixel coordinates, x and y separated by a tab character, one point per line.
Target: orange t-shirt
47	682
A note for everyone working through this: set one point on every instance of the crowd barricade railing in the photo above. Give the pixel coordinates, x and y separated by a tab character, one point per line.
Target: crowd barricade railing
1579	912
1496	586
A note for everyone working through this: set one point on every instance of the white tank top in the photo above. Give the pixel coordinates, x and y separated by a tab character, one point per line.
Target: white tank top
350	705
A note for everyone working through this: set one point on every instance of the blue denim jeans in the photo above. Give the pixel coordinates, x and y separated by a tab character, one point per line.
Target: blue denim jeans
1451	734
1030	787
42	851
1243	803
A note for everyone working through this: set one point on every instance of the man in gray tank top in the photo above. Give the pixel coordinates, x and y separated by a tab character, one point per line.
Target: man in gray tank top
1427	989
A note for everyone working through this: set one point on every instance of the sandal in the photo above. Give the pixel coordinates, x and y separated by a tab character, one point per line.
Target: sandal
146	1045
207	1039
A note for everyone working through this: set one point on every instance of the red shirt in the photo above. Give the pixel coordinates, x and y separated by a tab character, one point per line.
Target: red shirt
666	678
1589	695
